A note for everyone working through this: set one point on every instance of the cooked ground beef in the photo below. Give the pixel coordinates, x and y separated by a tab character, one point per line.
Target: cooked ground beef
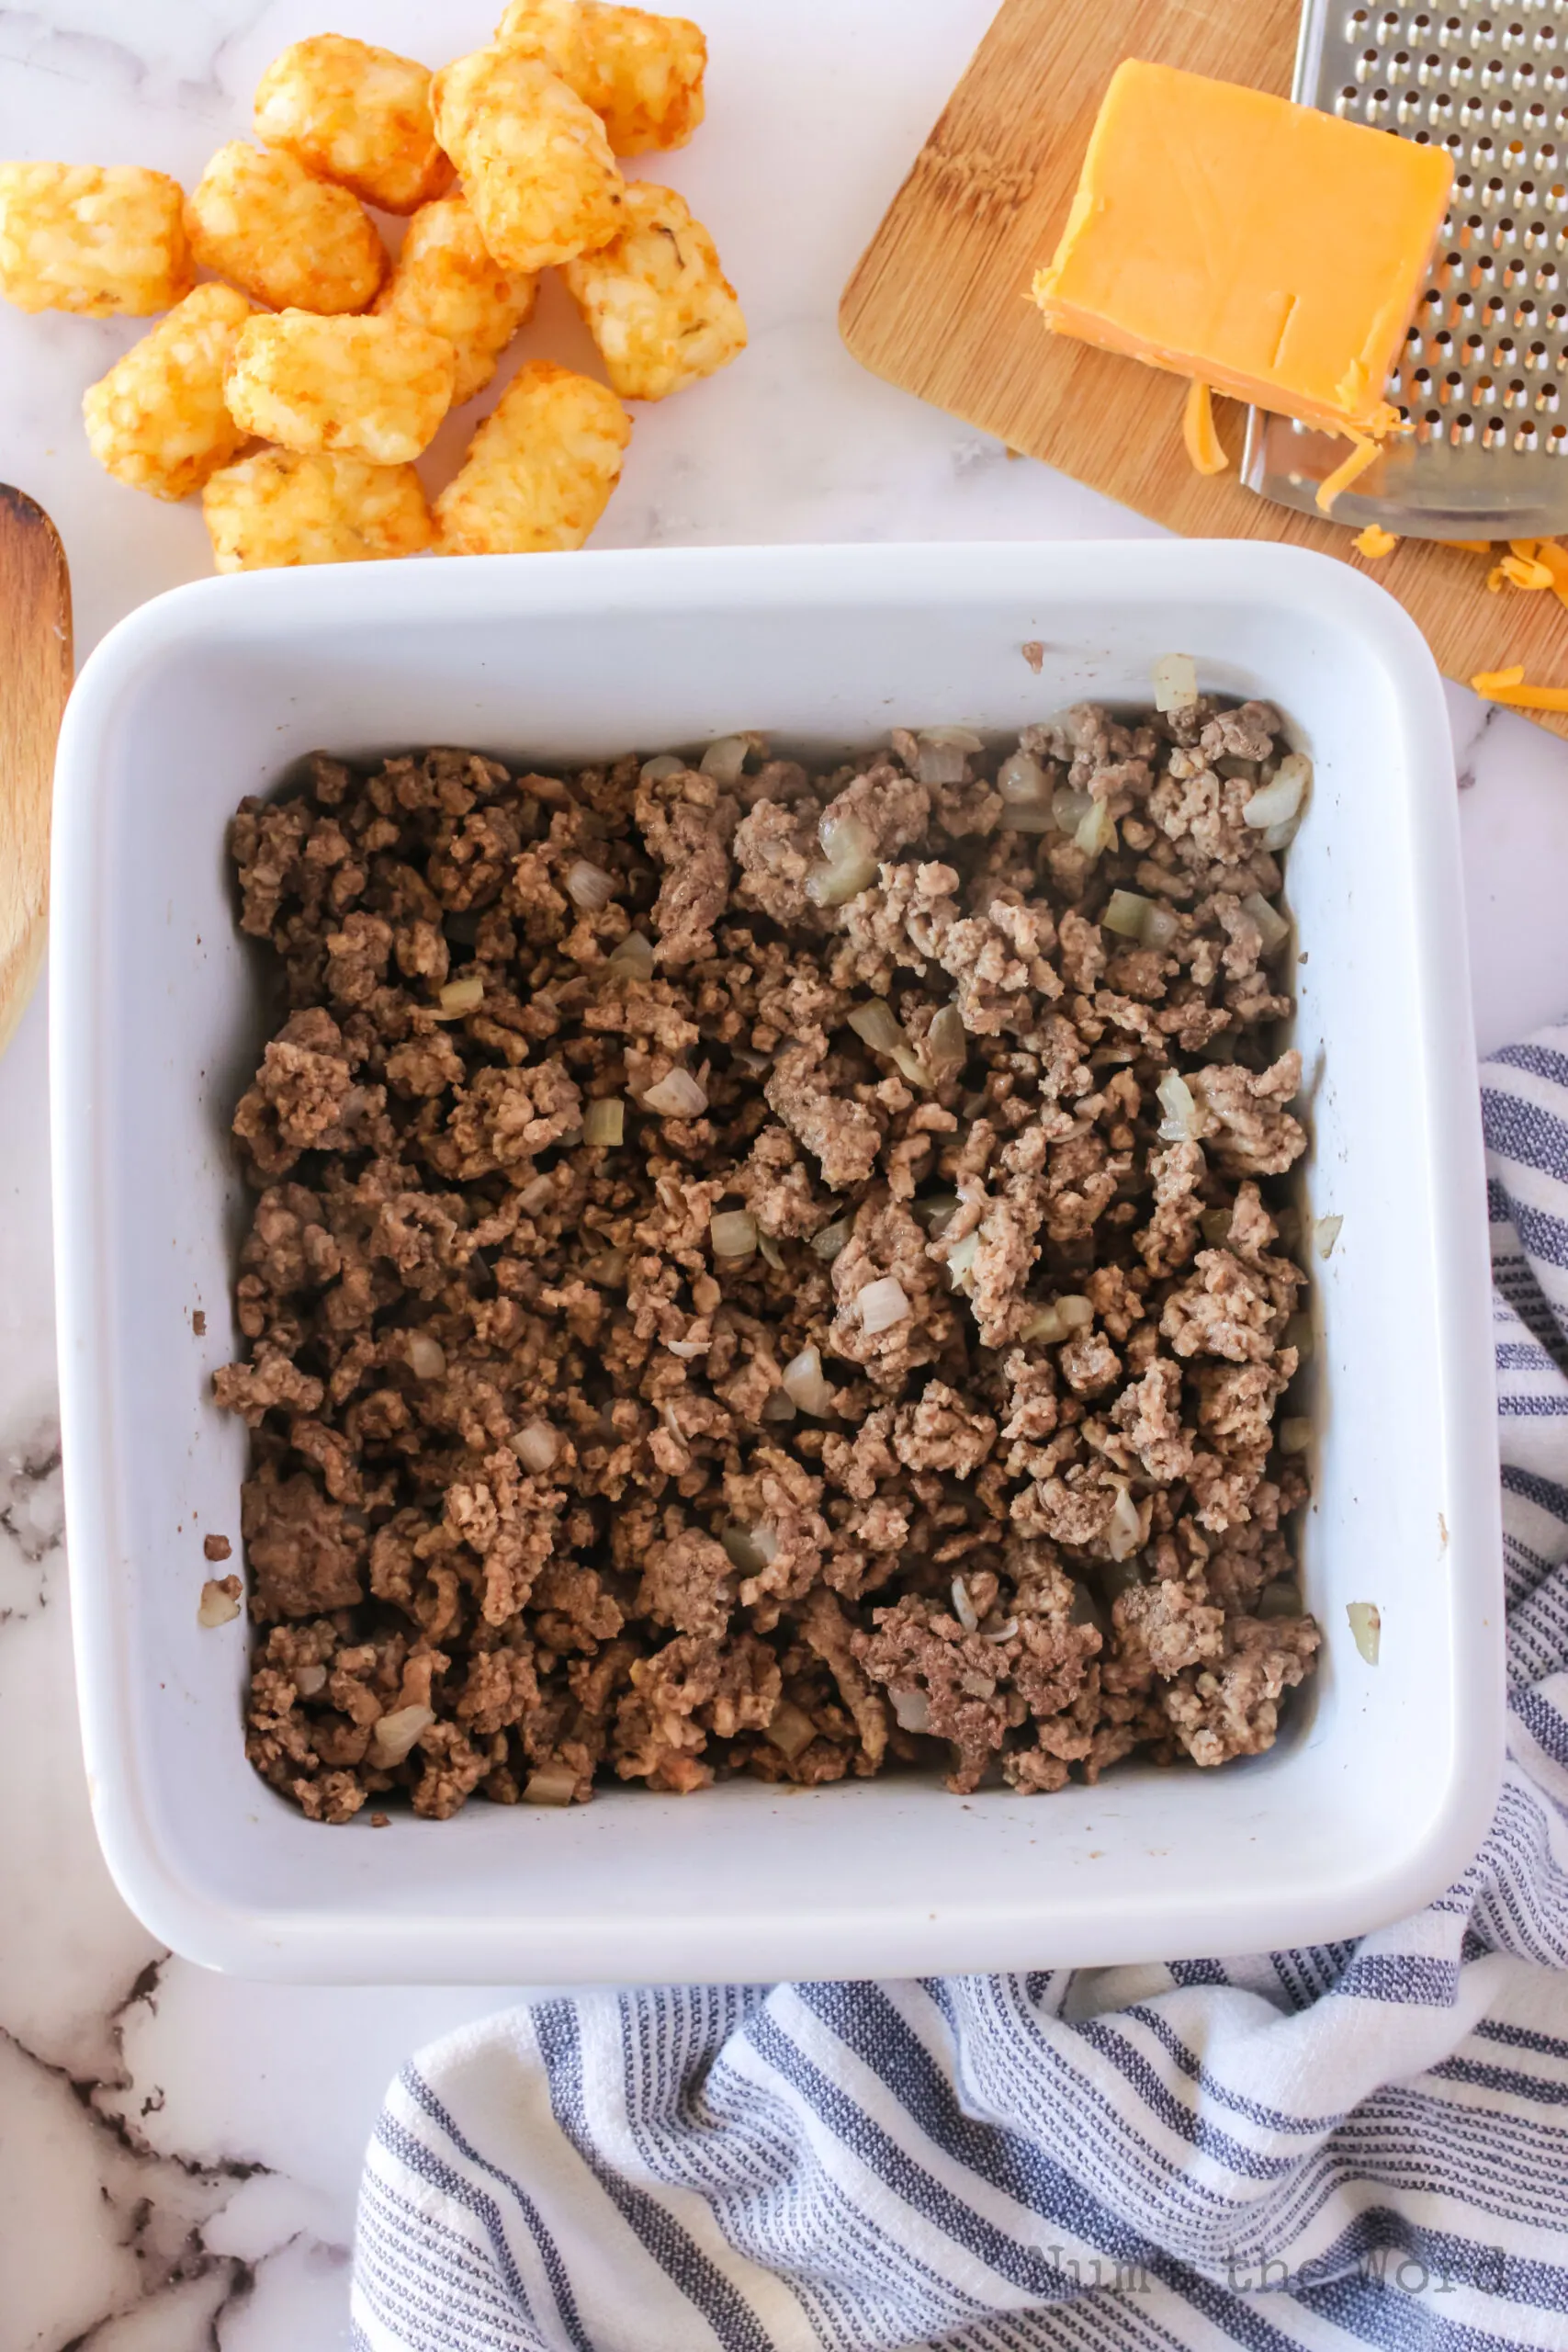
958	1451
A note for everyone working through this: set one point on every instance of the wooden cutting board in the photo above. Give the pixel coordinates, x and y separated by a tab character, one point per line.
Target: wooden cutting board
939	305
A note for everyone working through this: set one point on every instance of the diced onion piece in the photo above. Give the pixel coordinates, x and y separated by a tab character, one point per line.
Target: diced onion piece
937	1214
1076	1313
1299	1335
733	1233
770	1250
1097	832
1124	1534
1069	809
1022	817
1005	1632
308	1680
1215	1227
537	1194
1280	837
1282	796
1126	914
726	759
633	957
883	1303
686	1349
1022	782
394	1735
605	1121
961	1260
1269	921
1175	679
1059	1319
827	1244
654	771
850	851
217	1607
427	1358
751	1548
551	1784
1280	1599
1295	1436
1183	1121
876	1026
459	997
946	1048
1326	1233
806	1382
537	1446
964	1608
791	1730
1365	1623
589	886
780	1407
607	1269
678	1096
942	754
912	1709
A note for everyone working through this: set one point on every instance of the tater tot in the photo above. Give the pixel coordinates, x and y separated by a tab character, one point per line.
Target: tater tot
356	114
642	74
283	508
655	301
552	31
374	387
446	281
295	242
94	240
646	77
158	421
539	471
536	165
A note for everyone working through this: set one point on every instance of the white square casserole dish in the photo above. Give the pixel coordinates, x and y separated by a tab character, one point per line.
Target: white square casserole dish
1383	1777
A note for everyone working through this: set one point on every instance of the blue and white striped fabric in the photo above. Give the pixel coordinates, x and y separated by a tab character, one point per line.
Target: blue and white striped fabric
1361	2143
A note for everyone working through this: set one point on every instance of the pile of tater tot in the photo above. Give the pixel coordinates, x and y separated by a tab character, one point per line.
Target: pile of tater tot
296	393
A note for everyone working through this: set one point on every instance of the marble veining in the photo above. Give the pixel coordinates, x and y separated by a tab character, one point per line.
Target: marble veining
179	2151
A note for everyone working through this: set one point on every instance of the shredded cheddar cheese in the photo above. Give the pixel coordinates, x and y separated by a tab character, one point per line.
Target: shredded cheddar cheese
1468	546
1525	573
1374	542
1555	559
1350	470
1203	445
1507	686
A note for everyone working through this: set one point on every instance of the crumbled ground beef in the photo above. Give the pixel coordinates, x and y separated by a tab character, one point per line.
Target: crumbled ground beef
967	1456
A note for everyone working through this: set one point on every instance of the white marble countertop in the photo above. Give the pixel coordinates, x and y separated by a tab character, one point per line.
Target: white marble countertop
179	2151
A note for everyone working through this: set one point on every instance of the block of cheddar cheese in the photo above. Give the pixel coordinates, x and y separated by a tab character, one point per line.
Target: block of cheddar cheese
1266	249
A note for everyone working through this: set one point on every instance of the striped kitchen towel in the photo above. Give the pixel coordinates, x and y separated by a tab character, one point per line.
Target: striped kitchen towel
1361	2143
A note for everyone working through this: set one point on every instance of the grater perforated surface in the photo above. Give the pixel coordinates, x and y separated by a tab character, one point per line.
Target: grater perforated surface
1483	379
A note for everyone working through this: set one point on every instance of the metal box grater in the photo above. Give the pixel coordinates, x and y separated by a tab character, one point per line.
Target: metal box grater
1484	375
